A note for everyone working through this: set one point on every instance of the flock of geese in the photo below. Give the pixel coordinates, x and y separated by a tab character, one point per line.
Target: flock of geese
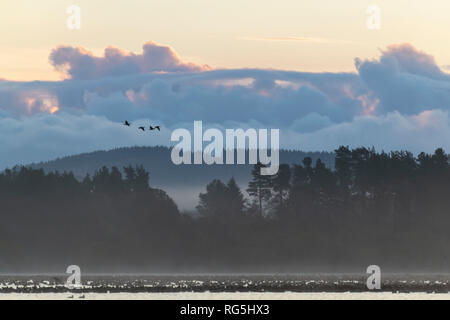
128	124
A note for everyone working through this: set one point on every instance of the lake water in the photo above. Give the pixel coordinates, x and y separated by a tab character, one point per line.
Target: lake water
229	296
226	287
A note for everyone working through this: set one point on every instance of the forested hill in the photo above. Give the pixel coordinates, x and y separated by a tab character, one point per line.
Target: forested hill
390	209
163	172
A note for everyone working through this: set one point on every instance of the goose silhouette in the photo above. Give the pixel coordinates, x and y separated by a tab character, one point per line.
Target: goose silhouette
126	123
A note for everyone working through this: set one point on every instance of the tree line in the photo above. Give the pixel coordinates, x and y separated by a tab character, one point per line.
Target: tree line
362	180
390	209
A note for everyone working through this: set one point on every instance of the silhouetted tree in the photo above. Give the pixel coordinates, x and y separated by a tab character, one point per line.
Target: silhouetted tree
259	188
392	208
214	201
281	184
235	198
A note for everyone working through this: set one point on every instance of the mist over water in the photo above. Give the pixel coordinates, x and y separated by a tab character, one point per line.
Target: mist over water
367	208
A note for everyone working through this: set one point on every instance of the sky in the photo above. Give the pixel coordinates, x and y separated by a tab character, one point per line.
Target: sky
316	36
317	70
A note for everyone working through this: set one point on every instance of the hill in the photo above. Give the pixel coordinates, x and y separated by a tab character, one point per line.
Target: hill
182	182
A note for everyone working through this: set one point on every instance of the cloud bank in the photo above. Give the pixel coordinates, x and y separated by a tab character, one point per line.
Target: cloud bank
399	101
79	63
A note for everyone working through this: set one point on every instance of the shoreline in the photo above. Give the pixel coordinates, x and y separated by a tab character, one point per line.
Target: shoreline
228	296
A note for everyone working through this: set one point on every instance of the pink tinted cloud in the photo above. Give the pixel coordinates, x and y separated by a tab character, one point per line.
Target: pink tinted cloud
406	58
79	63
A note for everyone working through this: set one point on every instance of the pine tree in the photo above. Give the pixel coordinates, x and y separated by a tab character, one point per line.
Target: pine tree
214	201
259	187
343	166
235	198
130	178
142	179
281	184
87	183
